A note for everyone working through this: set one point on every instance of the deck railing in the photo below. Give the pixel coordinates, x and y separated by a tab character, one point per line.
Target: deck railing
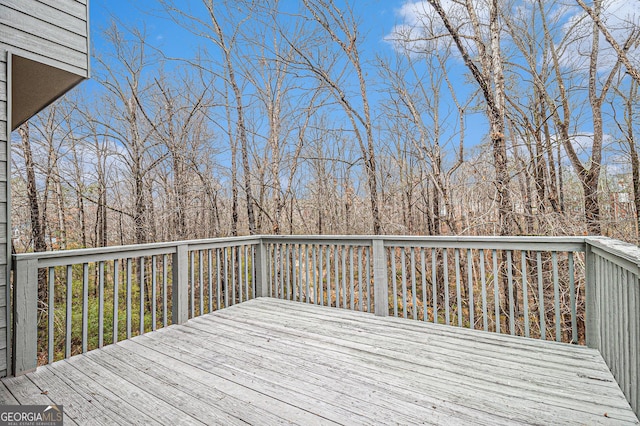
573	290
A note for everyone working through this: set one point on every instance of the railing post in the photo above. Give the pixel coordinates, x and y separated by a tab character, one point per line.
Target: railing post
262	281
592	323
380	284
180	285
25	317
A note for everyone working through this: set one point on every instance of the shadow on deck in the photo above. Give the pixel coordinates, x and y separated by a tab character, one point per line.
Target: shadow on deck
268	361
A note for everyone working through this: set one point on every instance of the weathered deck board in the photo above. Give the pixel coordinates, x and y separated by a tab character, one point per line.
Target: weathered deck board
494	391
268	361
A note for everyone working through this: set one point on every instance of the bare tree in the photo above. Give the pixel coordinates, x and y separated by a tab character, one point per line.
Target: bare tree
621	50
37	225
341	27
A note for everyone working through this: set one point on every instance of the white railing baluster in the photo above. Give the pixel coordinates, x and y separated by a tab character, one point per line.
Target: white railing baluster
413	283
344	276
246	275
392	252
496	289
525	292
329	276
456	253
201	282
572	300
210	280
116	298
541	311
141	283
472	319
69	276
85	306
225	280
288	265
128	283
314	275
321	277
192	284
512	300
351	279
336	276
233	275
51	313
307	274
300	285
423	280
556	295
154	291
219	280
368	267
165	275
445	280
294	283
279	271
403	268
360	295
483	280
100	304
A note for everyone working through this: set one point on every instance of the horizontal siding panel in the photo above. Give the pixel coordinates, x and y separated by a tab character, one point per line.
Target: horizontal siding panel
3	91
76	64
42	47
3	130
3	111
3	147
71	7
3	197
44	13
20	22
3	66
3	220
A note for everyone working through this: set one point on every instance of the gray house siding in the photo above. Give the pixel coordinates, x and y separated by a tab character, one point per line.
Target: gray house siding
51	33
4	224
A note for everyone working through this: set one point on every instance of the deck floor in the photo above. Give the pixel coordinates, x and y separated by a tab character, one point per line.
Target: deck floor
270	362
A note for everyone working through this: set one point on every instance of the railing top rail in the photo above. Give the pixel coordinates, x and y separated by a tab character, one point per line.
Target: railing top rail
454	238
64	257
625	251
491	242
478	242
55	258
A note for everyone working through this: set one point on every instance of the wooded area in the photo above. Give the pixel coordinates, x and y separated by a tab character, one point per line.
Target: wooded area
286	122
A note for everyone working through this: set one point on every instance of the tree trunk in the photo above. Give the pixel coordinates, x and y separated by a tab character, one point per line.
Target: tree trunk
37	228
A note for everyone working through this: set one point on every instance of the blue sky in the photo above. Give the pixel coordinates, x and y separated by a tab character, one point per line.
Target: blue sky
378	18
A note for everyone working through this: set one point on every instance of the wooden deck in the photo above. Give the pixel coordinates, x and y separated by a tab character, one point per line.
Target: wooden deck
268	361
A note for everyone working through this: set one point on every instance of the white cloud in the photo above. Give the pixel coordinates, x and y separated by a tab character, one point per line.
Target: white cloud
420	28
621	17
